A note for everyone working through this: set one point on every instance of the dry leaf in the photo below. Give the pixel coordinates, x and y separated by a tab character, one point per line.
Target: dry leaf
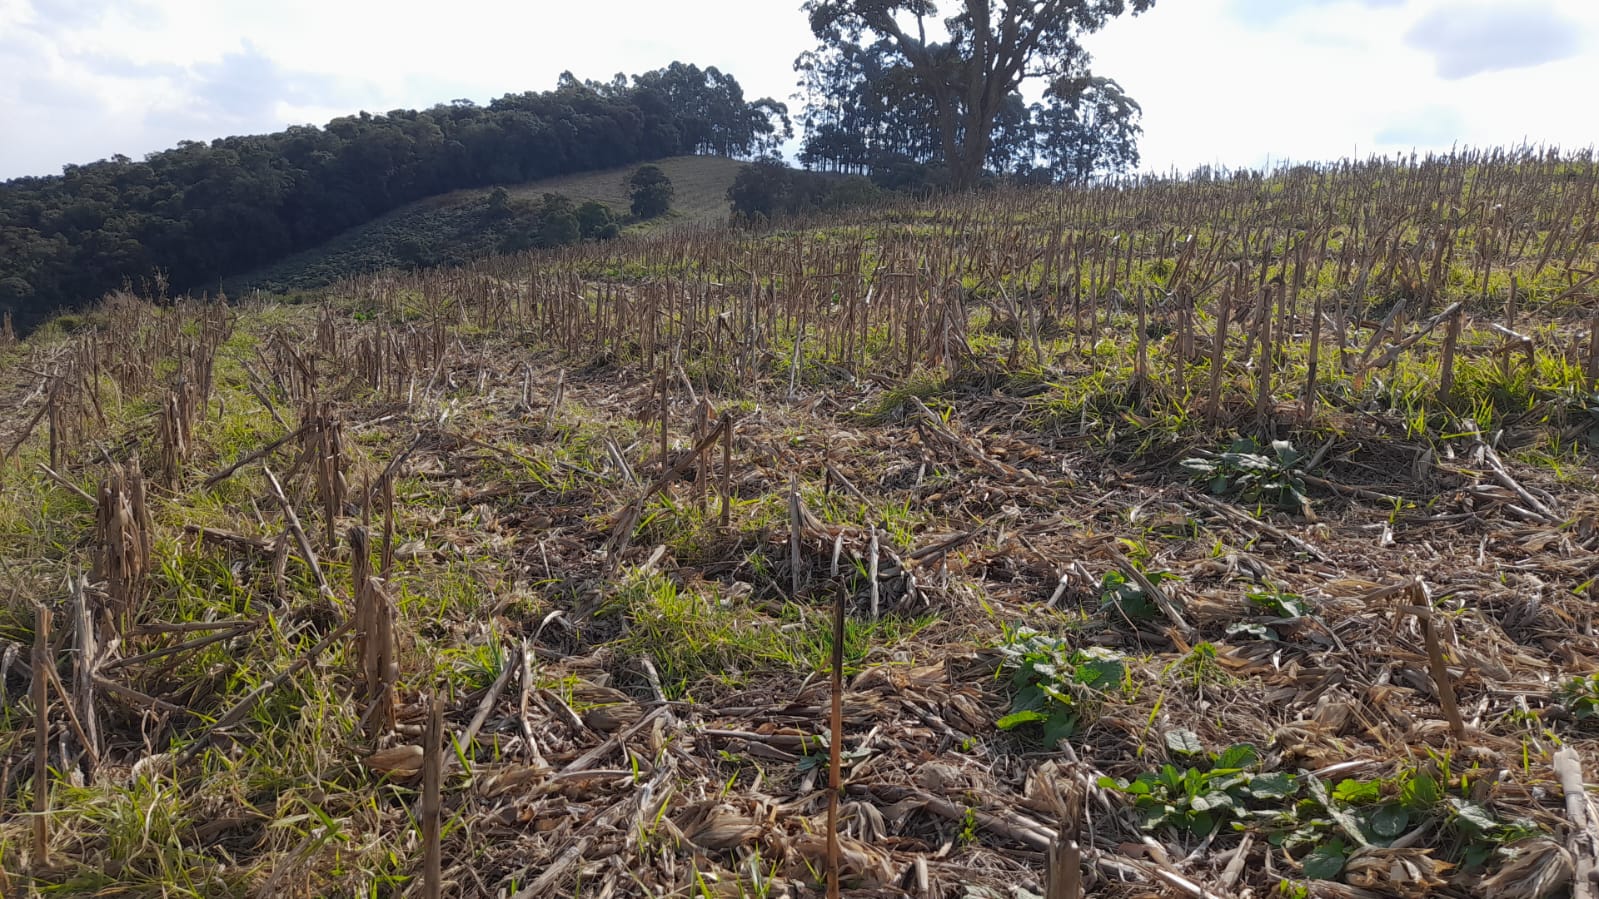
400	761
1537	867
609	718
861	866
1408	873
513	778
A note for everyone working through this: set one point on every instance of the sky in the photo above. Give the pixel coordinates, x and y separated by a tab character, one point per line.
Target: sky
1230	83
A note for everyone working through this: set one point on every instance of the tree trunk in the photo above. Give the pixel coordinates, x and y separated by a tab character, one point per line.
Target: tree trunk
965	169
966	162
946	132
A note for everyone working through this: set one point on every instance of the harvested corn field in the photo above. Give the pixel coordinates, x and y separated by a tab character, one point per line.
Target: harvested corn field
1180	538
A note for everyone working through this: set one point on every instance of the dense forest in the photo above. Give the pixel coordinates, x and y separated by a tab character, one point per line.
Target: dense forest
918	108
200	212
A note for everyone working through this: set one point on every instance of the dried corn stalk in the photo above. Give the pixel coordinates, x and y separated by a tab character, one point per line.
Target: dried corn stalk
323	445
122	542
374	635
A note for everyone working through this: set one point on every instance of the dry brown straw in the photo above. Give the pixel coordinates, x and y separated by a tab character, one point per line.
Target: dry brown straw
1568	768
835	747
41	737
727	468
1435	659
795	523
432	773
1064	870
1446	371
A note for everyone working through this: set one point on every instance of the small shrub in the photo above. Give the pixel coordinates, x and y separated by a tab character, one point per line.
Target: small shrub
595	221
650	191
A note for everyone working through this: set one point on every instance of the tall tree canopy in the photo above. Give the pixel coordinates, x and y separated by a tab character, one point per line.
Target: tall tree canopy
712	113
204	211
969	68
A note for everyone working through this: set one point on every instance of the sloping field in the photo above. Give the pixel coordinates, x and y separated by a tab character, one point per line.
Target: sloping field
454	225
1229	538
700	184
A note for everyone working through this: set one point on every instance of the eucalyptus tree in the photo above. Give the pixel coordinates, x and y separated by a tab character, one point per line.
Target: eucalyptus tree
968	65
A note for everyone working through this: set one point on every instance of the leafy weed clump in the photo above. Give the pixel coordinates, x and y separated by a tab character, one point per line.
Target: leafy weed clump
1127	598
1580	697
1210	790
1357	815
1265	475
1057	687
1273	608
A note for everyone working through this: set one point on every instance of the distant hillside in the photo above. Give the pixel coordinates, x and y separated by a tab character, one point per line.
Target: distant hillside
457	226
700	182
198	214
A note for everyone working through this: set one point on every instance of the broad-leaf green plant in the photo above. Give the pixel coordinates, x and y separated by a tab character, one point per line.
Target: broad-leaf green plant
1125	598
1270	474
1206	791
1057	687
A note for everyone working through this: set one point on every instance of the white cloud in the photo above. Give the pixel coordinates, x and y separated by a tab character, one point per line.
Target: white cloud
1231	82
1328	79
84	79
1471	38
1263	13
